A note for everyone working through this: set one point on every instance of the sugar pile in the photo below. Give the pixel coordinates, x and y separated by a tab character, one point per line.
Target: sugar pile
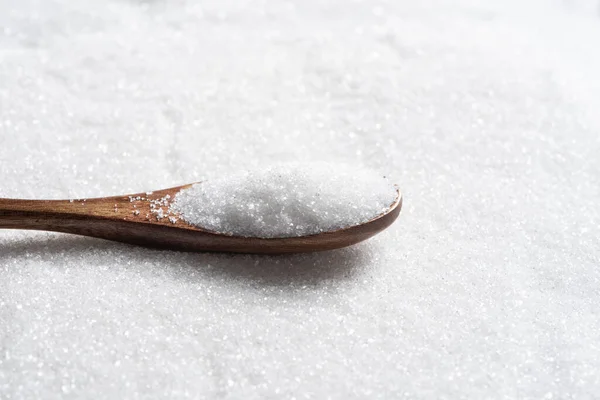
286	200
485	111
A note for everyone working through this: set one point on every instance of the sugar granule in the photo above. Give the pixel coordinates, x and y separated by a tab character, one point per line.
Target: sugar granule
286	200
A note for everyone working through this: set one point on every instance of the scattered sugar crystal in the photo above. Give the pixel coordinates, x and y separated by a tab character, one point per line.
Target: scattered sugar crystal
156	207
286	200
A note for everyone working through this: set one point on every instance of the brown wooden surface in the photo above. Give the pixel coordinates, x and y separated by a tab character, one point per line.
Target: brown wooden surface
133	219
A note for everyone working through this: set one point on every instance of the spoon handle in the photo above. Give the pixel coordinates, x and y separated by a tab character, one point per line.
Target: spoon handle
87	218
127	218
39	214
76	216
45	214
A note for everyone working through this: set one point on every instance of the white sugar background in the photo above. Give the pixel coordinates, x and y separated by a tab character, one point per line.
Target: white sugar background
486	114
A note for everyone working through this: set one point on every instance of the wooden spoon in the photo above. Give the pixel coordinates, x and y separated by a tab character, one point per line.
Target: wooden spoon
136	219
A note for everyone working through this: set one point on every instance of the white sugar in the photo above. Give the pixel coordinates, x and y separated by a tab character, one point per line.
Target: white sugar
287	200
485	111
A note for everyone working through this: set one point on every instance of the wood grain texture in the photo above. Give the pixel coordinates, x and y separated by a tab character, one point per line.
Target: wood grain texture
136	219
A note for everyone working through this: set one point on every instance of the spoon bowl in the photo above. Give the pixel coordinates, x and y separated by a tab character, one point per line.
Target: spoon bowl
138	219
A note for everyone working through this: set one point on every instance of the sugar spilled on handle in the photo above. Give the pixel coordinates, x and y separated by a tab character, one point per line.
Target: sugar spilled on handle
287	200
